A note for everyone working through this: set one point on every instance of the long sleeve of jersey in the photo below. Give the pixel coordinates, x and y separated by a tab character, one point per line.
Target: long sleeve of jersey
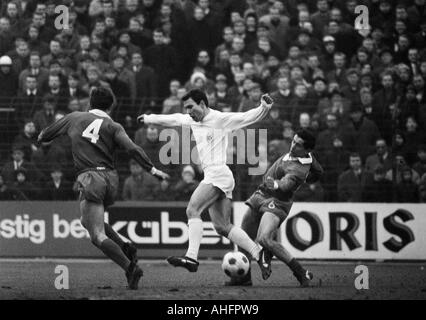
316	171
56	129
237	120
168	120
136	152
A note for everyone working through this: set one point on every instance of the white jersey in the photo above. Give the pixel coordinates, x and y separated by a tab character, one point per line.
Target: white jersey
211	134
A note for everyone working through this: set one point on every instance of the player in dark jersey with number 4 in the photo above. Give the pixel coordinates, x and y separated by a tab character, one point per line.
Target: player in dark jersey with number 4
95	137
270	205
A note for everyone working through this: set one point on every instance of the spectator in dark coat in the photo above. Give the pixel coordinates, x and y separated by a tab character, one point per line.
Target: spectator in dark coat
46	116
10	168
5	193
334	162
406	190
382	156
353	182
380	189
57	188
28	101
414	136
360	134
27	140
8	81
146	83
187	185
420	166
162	58
22	189
140	185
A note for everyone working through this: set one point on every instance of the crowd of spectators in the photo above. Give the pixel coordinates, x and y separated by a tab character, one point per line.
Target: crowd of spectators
361	92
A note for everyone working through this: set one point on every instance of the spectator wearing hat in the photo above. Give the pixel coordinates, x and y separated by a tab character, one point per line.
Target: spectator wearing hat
186	185
9	83
380	189
58	188
360	134
18	161
351	89
354	182
327	57
139	185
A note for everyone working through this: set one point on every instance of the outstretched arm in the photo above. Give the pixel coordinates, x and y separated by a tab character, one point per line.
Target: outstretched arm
137	153
55	130
167	120
238	120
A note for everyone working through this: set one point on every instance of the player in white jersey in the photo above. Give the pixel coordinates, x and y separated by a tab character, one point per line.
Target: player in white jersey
211	129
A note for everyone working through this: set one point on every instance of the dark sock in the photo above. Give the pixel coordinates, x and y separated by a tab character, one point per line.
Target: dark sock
113	251
110	233
295	266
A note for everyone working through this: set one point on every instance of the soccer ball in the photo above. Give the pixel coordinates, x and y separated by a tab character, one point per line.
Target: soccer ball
235	264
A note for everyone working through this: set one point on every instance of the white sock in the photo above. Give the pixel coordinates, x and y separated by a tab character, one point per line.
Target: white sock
241	239
195	233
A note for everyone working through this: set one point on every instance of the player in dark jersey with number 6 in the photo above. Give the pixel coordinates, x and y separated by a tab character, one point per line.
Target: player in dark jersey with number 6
95	137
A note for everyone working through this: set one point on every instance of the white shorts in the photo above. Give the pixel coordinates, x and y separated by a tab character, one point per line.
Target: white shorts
221	177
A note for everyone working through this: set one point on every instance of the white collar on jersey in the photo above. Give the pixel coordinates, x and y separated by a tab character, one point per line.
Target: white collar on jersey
287	157
100	113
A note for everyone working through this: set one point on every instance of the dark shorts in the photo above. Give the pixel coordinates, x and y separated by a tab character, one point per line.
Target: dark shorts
261	203
98	186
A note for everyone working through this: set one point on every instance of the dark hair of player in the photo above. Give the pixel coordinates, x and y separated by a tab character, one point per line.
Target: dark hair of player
101	98
308	138
196	95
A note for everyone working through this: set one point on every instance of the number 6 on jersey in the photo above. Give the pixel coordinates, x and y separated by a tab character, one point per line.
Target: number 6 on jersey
92	130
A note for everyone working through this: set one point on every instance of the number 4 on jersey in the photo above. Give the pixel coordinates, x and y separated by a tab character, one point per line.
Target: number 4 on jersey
92	130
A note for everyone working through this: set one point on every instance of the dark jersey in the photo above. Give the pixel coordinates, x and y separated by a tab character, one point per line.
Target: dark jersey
291	173
94	138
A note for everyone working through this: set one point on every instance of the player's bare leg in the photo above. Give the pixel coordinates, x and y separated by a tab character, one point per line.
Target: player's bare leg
92	218
269	224
128	249
220	213
202	198
249	224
